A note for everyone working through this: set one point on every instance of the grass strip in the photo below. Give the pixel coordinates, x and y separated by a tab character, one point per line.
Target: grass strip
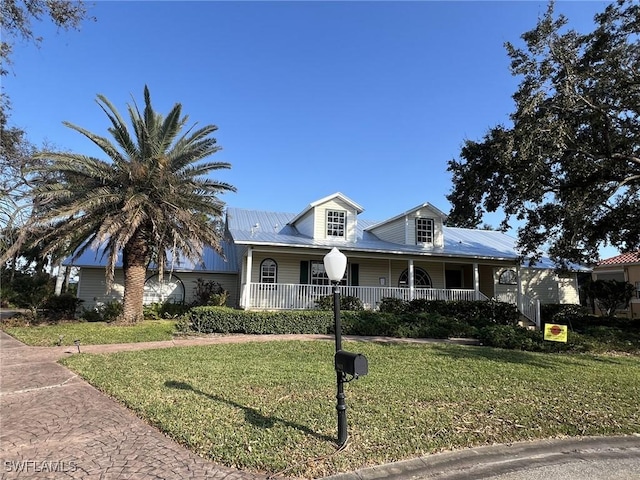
93	333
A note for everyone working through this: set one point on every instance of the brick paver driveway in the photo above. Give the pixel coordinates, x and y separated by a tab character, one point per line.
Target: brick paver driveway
55	425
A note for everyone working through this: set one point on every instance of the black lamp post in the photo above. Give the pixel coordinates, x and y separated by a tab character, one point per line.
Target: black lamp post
335	264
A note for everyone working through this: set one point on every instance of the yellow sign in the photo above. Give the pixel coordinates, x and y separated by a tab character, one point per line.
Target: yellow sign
555	333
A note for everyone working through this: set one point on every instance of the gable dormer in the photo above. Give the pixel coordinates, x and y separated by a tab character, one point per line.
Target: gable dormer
421	226
330	218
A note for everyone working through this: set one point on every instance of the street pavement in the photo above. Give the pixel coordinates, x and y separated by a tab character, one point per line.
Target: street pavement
54	425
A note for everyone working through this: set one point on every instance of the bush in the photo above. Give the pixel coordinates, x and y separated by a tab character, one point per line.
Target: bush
347	303
106	312
393	305
475	313
61	306
209	293
227	320
166	310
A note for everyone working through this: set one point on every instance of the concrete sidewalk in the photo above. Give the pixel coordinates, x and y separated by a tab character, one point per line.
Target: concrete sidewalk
54	425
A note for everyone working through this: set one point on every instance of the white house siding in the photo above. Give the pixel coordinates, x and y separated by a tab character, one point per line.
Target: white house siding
438	237
434	269
320	221
544	285
393	232
228	281
306	224
372	270
487	286
288	266
403	229
92	286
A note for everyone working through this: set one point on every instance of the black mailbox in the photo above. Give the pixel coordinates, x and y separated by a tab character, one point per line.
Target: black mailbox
354	364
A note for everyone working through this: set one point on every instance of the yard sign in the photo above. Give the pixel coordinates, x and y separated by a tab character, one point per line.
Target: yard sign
555	332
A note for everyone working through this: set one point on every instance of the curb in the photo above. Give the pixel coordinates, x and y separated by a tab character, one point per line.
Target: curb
492	460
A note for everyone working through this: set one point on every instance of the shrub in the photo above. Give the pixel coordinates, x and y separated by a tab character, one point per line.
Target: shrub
62	306
166	310
393	305
503	336
106	312
347	302
209	293
475	313
560	313
207	319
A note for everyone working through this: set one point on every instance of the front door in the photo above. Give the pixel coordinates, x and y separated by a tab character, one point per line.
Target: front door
453	278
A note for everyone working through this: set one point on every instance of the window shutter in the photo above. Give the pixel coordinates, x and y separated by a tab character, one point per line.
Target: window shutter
355	275
304	272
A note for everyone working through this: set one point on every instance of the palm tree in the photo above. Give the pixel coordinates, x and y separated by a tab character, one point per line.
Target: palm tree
152	196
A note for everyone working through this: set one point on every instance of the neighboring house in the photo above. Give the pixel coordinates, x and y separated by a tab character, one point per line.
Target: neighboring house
275	261
623	268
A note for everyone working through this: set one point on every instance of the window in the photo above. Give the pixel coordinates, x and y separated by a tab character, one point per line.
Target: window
171	289
508	277
335	223
424	230
421	278
319	276
268	271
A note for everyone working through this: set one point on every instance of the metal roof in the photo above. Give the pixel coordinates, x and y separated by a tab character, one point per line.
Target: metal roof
256	227
211	260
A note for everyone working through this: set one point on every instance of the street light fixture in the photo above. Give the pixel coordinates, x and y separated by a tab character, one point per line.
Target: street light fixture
335	265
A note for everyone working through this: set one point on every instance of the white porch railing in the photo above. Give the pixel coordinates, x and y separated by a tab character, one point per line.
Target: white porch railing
529	307
284	296
289	296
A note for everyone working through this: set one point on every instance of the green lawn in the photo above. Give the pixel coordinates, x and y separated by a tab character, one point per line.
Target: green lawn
269	407
93	333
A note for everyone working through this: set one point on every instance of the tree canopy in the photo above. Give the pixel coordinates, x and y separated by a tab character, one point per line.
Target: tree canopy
150	200
569	166
17	19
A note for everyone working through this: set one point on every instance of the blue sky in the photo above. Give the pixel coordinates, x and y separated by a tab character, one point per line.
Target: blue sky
367	98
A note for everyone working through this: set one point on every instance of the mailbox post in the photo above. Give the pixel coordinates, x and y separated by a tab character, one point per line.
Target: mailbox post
335	264
346	363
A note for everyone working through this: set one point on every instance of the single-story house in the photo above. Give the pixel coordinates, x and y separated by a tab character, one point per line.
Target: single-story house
275	261
623	268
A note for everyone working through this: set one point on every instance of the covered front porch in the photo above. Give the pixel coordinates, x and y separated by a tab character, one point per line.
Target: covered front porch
269	281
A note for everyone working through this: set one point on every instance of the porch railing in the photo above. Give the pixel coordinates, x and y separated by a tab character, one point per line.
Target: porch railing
528	306
284	296
289	296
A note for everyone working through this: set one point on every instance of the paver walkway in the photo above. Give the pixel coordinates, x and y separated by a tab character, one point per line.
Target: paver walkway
54	425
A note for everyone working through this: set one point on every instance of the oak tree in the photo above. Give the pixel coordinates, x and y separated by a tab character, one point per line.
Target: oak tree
568	167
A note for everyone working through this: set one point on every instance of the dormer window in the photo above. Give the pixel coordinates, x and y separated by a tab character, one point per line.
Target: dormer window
336	220
424	231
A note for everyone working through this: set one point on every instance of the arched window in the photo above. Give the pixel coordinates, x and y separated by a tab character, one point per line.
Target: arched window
421	278
171	289
268	271
508	277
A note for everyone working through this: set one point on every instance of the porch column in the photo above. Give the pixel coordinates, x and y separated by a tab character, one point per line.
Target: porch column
411	282
246	294
476	280
519	292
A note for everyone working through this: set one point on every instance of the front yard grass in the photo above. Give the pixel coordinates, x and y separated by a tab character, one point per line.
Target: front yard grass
270	407
93	333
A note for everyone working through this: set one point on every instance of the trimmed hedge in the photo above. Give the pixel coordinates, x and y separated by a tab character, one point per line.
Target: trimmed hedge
475	313
227	320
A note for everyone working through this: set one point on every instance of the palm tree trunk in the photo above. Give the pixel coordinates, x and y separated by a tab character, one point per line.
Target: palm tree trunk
134	263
